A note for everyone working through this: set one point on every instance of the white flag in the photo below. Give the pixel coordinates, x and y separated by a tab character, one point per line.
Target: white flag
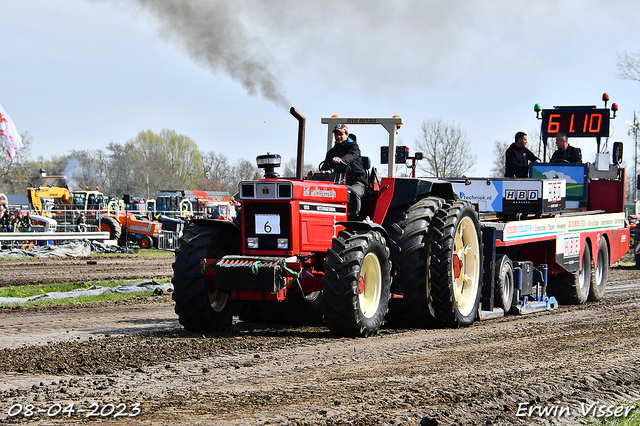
8	131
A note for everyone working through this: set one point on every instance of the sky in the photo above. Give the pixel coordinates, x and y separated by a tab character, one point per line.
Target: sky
79	74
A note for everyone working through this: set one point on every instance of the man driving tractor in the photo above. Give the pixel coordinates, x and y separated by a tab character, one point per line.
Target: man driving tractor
343	158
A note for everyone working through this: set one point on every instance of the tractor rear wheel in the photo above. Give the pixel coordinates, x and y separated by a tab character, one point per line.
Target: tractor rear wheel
600	275
357	283
198	308
112	226
455	265
572	288
409	229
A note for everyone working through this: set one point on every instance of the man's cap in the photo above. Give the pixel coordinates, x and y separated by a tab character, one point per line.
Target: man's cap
341	128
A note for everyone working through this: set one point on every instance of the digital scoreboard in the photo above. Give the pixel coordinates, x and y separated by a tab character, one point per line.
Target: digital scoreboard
575	122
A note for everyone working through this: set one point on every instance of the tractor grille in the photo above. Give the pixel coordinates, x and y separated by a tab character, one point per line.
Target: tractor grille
267	241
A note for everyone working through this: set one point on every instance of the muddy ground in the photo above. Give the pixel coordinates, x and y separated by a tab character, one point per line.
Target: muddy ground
131	363
30	270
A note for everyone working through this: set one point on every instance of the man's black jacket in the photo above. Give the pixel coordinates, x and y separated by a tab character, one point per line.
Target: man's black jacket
349	152
571	154
517	161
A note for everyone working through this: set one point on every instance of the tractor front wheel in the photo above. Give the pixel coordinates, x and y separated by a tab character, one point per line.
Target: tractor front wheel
200	307
357	283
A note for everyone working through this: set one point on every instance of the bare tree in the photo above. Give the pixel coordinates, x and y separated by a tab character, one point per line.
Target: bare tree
446	149
242	170
499	148
290	168
121	170
12	172
85	168
629	66
215	170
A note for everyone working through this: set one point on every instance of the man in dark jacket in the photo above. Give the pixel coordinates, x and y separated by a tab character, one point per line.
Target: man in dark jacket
345	157
81	225
566	152
517	158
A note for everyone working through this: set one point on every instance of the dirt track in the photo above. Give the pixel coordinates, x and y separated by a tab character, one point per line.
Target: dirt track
24	271
135	352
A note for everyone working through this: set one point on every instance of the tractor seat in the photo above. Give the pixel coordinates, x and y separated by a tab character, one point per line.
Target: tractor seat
366	163
371	175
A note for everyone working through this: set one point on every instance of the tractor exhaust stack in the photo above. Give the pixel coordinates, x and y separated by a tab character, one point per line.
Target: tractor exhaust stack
301	126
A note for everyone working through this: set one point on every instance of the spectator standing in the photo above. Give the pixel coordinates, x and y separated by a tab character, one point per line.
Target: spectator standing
81	225
517	158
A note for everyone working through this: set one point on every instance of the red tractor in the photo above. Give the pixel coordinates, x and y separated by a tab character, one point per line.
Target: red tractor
294	254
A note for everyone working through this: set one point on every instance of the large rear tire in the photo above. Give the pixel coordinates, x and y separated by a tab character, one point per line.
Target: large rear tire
357	283
409	229
572	288
197	308
112	226
455	265
600	275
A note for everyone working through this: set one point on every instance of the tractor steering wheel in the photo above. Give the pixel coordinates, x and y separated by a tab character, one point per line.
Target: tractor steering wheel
324	166
336	176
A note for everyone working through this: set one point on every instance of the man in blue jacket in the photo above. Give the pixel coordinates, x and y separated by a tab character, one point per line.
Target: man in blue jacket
345	157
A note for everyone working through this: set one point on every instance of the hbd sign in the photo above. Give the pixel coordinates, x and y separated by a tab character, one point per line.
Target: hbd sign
521	195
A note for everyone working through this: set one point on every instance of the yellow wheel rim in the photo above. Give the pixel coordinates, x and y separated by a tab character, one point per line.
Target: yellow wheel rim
371	274
217	299
465	283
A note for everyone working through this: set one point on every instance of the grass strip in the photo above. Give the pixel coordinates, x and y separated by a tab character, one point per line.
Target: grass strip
33	290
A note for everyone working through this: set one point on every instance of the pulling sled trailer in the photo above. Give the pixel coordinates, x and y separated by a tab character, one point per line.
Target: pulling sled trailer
559	229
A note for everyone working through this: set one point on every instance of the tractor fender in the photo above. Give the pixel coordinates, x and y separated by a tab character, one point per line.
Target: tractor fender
224	224
403	192
372	226
407	191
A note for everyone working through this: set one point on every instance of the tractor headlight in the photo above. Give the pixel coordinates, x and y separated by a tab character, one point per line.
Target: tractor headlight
283	243
252	243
